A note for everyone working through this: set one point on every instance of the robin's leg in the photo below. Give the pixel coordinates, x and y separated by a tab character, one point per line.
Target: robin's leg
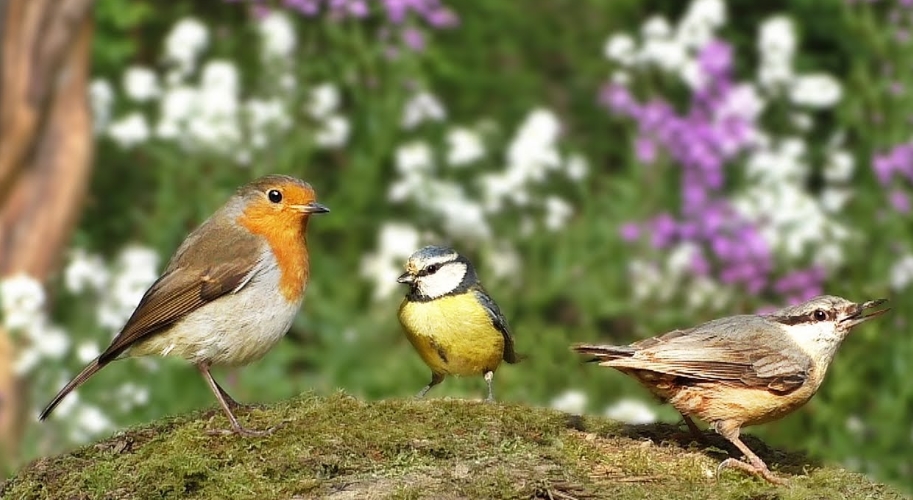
436	378
234	405
730	430
220	395
489	377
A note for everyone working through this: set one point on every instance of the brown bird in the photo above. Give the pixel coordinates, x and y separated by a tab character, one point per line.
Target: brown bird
741	370
229	293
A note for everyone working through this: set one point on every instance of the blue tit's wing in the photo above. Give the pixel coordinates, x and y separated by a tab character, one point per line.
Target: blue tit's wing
499	322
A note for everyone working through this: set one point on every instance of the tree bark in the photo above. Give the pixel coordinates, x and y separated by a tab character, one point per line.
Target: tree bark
45	152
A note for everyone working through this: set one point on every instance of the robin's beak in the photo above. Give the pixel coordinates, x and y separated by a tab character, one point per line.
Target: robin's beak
859	316
311	208
406	278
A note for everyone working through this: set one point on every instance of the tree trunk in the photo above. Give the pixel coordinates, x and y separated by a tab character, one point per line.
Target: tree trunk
45	152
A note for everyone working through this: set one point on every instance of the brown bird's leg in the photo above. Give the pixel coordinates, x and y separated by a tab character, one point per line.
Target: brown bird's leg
730	430
218	392
436	378
692	427
489	376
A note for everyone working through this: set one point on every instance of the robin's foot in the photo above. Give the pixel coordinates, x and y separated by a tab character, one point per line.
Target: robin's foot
758	470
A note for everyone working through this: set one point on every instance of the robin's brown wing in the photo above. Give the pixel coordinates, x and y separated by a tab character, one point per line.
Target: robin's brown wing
743	350
185	287
499	322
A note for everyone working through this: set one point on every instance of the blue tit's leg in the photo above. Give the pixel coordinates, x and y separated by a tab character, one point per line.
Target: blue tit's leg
489	376
436	378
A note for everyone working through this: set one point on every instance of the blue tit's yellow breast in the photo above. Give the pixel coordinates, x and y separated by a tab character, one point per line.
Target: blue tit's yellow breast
453	334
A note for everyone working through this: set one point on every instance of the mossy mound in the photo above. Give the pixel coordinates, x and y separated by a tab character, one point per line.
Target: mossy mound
339	447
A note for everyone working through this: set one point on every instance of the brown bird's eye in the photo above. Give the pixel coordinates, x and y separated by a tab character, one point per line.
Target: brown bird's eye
820	315
274	196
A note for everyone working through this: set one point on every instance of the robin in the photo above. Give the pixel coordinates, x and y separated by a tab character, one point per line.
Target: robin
455	326
742	370
230	291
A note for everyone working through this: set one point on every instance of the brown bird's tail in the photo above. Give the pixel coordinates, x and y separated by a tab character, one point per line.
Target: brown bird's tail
604	352
77	381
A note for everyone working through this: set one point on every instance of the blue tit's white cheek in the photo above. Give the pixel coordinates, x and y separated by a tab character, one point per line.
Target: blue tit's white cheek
443	281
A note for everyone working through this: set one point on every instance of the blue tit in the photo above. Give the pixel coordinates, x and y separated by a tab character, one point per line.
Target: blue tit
450	319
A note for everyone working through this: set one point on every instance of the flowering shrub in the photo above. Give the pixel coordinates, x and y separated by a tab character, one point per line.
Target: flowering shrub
721	168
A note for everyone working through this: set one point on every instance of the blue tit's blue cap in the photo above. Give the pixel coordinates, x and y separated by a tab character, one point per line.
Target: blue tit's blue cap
434	252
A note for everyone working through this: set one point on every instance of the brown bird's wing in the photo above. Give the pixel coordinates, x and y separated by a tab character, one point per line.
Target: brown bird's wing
499	322
186	286
743	350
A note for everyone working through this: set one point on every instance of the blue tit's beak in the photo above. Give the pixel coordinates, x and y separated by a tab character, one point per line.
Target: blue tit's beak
406	278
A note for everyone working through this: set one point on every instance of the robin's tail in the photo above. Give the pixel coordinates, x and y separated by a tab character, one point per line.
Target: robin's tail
604	352
77	381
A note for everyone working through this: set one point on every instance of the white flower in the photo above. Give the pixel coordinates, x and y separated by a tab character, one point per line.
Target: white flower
532	149
668	55
621	49
277	34
462	218
631	411
26	360
140	83
576	167
815	91
414	158
773	76
708	12
833	199
422	107
220	76
84	271
87	351
131	395
464	147
267	114
52	342
396	242
743	101
176	106
21	301
101	99
655	27
570	402
839	166
129	130
324	100
186	40
691	74
334	133
902	273
557	213
777	40
504	261
91	420
135	271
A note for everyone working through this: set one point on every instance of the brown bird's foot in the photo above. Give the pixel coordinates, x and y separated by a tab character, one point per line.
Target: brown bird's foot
761	471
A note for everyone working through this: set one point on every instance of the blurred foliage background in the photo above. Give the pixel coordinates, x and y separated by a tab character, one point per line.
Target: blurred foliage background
614	169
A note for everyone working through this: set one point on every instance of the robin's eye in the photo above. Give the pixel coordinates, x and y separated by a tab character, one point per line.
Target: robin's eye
820	315
274	196
432	268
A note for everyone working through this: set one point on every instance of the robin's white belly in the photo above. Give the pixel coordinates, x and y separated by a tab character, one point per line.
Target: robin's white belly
234	329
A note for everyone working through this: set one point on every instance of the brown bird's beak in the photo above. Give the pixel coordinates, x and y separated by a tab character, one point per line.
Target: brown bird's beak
406	278
860	317
312	208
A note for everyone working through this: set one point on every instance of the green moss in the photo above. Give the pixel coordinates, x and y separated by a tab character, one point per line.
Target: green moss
343	448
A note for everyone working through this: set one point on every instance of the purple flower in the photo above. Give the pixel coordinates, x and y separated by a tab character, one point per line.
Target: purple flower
645	150
900	201
413	39
617	98
629	232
